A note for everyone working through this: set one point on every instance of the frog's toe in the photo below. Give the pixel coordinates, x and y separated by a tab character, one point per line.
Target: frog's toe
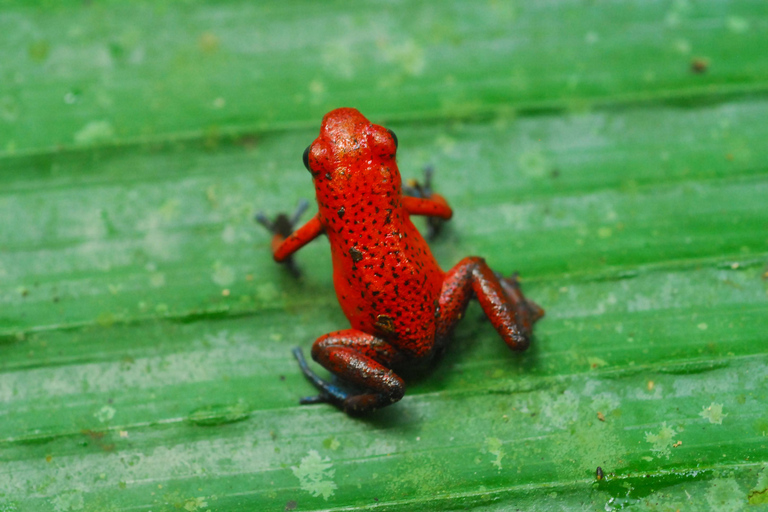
537	312
283	223
318	399
329	393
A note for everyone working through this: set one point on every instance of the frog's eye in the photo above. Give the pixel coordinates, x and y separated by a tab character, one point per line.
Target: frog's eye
394	137
305	157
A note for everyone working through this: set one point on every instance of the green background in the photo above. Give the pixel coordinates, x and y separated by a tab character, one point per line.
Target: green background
615	153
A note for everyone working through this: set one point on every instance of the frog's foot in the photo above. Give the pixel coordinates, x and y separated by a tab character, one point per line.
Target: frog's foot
417	189
501	299
359	359
424	190
282	226
329	393
511	286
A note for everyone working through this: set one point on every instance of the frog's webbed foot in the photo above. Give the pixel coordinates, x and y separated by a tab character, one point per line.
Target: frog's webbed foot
511	286
424	190
283	225
329	393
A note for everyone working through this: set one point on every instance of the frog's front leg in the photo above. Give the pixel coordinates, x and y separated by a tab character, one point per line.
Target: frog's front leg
361	360
420	199
286	241
502	301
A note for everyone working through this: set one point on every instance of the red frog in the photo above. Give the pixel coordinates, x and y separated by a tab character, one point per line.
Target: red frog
401	305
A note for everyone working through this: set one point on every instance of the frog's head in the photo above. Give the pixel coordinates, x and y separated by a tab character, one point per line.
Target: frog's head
352	154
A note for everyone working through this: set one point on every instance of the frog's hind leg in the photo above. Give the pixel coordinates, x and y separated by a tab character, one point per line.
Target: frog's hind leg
359	359
511	314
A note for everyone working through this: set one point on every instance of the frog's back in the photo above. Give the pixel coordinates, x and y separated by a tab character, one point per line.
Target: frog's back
386	279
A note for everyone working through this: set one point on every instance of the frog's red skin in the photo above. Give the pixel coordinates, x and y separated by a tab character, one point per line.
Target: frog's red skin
399	302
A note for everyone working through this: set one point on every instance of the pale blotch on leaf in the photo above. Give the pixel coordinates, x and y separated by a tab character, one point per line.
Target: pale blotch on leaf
663	441
725	495
759	493
714	413
596	362
194	504
208	42
315	475
493	446
331	443
533	163
562	411
222	274
66	501
157	279
316	91
408	54
95	131
266	293
737	24
604	232
105	414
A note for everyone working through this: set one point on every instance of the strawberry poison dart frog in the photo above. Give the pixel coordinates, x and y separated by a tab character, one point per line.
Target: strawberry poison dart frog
400	304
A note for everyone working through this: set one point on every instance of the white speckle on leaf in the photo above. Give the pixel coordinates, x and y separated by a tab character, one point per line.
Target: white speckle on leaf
562	411
663	441
193	504
222	274
315	475
105	414
229	234
605	402
493	446
714	413
68	501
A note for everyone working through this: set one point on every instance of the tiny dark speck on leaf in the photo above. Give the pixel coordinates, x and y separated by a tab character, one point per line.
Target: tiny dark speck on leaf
291	505
699	65
249	141
599	473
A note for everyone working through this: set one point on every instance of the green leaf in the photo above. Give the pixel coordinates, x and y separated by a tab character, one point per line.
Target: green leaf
612	153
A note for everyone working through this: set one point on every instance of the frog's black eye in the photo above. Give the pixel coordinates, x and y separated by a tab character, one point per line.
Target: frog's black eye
394	137
305	157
